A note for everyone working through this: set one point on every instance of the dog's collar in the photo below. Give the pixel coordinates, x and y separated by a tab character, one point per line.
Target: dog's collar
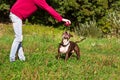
65	45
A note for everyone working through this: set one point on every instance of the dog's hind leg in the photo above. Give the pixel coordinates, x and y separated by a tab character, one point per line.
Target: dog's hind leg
77	53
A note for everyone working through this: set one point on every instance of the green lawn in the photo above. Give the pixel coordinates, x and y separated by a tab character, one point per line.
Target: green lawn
100	58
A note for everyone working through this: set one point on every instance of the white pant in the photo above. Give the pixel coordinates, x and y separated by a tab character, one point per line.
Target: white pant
17	43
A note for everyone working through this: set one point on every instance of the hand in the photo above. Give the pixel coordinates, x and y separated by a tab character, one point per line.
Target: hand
67	22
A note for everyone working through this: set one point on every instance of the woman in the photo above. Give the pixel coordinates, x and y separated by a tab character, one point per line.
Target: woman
22	9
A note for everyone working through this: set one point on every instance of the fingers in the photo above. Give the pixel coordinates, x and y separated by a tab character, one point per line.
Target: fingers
67	22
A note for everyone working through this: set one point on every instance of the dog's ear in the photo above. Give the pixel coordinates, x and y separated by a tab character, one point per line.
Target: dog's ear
66	32
70	35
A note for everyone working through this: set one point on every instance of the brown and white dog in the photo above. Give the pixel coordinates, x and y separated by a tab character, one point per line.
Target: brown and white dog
68	47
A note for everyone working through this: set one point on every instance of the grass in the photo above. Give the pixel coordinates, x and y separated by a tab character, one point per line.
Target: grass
100	58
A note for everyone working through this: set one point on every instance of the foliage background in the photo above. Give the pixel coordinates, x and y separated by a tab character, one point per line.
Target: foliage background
81	12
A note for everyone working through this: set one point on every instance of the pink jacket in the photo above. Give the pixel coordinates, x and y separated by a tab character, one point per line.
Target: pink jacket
24	8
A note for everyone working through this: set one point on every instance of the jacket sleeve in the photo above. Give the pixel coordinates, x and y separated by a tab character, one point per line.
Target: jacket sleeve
43	4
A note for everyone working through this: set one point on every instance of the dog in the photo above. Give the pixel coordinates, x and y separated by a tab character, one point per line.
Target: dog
68	47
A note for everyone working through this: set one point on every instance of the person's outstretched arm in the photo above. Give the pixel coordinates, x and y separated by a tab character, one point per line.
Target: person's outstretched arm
43	4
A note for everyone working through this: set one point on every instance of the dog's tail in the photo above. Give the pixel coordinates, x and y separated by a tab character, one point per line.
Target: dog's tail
83	38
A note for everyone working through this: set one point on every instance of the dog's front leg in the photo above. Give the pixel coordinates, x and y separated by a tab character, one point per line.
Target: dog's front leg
58	56
66	56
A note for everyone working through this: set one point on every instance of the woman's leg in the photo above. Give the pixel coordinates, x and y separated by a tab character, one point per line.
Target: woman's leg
20	52
16	45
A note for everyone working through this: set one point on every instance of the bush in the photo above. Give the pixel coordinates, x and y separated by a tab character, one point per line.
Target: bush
114	20
88	29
